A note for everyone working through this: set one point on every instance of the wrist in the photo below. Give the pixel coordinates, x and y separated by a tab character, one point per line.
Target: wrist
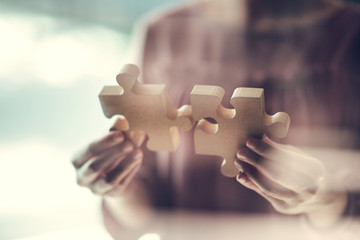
130	209
329	208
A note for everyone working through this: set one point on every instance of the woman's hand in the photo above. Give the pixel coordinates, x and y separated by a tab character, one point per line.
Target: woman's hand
290	180
108	166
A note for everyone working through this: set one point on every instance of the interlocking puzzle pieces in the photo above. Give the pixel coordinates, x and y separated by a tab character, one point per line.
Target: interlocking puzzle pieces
233	126
147	108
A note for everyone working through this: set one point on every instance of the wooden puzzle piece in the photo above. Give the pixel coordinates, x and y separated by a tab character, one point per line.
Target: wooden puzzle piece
146	108
233	126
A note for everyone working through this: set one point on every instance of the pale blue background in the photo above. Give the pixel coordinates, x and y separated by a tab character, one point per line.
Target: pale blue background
55	56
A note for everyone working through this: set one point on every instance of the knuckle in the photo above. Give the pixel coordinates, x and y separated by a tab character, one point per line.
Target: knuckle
91	149
80	181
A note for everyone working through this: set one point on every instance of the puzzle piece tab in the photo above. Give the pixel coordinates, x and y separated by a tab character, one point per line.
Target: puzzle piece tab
147	108
233	126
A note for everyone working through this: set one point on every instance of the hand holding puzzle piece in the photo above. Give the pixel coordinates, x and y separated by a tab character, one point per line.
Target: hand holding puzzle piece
233	126
147	108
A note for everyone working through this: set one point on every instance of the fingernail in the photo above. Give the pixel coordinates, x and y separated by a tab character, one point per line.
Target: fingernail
238	166
251	142
240	178
240	156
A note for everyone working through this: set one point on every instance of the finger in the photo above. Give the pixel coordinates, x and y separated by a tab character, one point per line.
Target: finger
284	147
286	195
100	187
98	147
291	169
276	171
137	137
119	184
265	157
120	124
260	147
279	205
280	152
112	178
246	155
265	184
125	183
122	170
103	163
244	180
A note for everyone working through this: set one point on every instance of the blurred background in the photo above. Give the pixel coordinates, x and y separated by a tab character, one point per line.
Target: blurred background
55	56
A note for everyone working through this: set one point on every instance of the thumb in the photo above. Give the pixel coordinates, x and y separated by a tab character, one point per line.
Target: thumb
122	124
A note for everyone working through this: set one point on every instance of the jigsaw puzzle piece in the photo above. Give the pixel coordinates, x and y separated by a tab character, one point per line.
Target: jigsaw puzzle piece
147	108
233	126
122	124
250	102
